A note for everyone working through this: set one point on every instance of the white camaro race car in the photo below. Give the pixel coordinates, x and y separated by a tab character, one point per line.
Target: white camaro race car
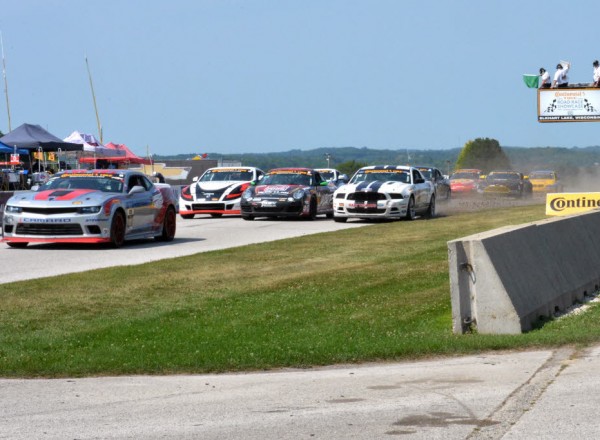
385	192
218	191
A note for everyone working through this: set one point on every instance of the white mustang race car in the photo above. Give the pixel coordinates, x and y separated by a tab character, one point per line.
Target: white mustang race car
218	191
90	206
386	192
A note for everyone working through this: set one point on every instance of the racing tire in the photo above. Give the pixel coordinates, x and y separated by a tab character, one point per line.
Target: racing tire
430	213
117	230
410	210
17	244
340	219
216	215
312	212
169	226
187	216
248	217
329	215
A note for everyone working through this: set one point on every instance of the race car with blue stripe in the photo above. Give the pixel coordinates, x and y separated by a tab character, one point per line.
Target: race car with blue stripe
385	192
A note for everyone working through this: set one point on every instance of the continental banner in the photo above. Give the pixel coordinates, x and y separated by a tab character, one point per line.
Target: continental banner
571	203
569	105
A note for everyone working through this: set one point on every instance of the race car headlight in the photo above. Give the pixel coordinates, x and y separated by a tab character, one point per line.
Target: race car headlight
247	195
13	209
89	210
298	195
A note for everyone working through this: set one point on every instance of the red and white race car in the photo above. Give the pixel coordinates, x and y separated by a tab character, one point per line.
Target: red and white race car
218	191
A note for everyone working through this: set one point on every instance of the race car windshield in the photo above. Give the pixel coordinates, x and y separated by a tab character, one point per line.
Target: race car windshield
503	176
540	175
366	176
327	175
223	176
104	184
286	179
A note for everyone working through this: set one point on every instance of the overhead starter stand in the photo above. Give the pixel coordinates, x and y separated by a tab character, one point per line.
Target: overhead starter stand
569	104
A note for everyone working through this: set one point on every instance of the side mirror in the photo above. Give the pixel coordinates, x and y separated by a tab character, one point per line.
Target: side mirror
137	189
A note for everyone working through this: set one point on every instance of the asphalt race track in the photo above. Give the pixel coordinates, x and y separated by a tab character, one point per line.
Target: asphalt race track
552	393
200	234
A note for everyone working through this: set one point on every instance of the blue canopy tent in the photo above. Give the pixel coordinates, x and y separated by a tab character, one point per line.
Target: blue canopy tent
5	149
35	138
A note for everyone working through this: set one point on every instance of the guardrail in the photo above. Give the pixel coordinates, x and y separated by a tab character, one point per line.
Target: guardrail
506	280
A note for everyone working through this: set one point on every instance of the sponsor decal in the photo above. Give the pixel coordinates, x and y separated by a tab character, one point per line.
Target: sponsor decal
46	220
571	203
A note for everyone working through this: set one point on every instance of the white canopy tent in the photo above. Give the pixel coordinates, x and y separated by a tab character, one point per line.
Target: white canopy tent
91	144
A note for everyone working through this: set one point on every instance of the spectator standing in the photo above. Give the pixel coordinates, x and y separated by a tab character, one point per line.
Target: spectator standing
560	77
596	65
544	79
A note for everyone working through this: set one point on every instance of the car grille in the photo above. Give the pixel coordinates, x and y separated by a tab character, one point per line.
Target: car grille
366	197
362	210
49	229
49	211
207	206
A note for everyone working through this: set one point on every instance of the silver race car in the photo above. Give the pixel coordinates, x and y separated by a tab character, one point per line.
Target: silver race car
90	206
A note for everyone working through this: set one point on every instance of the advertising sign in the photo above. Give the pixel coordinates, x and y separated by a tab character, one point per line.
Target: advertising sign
14	159
571	203
569	105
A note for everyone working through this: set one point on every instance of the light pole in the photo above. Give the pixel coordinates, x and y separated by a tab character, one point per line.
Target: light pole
328	157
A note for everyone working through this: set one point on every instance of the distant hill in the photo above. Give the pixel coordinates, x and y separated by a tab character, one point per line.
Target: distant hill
564	160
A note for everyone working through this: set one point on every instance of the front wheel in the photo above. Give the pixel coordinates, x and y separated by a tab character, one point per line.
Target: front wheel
17	244
312	213
431	209
410	210
169	226
340	219
117	230
248	217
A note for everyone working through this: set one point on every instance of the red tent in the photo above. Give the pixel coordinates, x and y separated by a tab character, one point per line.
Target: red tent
129	157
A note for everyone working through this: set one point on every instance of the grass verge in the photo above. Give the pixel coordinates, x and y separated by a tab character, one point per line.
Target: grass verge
369	294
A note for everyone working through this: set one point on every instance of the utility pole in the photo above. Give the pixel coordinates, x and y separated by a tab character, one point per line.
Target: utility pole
94	99
328	158
5	82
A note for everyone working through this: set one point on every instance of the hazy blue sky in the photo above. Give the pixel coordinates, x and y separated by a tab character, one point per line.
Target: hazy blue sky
237	76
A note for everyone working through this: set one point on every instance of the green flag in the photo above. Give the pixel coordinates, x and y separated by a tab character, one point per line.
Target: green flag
531	81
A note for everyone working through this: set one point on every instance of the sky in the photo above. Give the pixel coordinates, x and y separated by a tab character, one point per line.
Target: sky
259	76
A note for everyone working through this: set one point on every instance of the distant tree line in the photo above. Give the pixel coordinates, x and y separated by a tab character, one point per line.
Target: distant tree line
566	161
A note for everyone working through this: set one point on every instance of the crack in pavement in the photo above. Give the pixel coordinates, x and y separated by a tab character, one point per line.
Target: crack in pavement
523	398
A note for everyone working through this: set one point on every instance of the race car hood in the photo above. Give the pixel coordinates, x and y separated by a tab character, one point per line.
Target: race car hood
276	190
216	186
384	187
59	197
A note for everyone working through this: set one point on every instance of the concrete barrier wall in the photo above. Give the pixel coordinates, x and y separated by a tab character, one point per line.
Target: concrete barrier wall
504	281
